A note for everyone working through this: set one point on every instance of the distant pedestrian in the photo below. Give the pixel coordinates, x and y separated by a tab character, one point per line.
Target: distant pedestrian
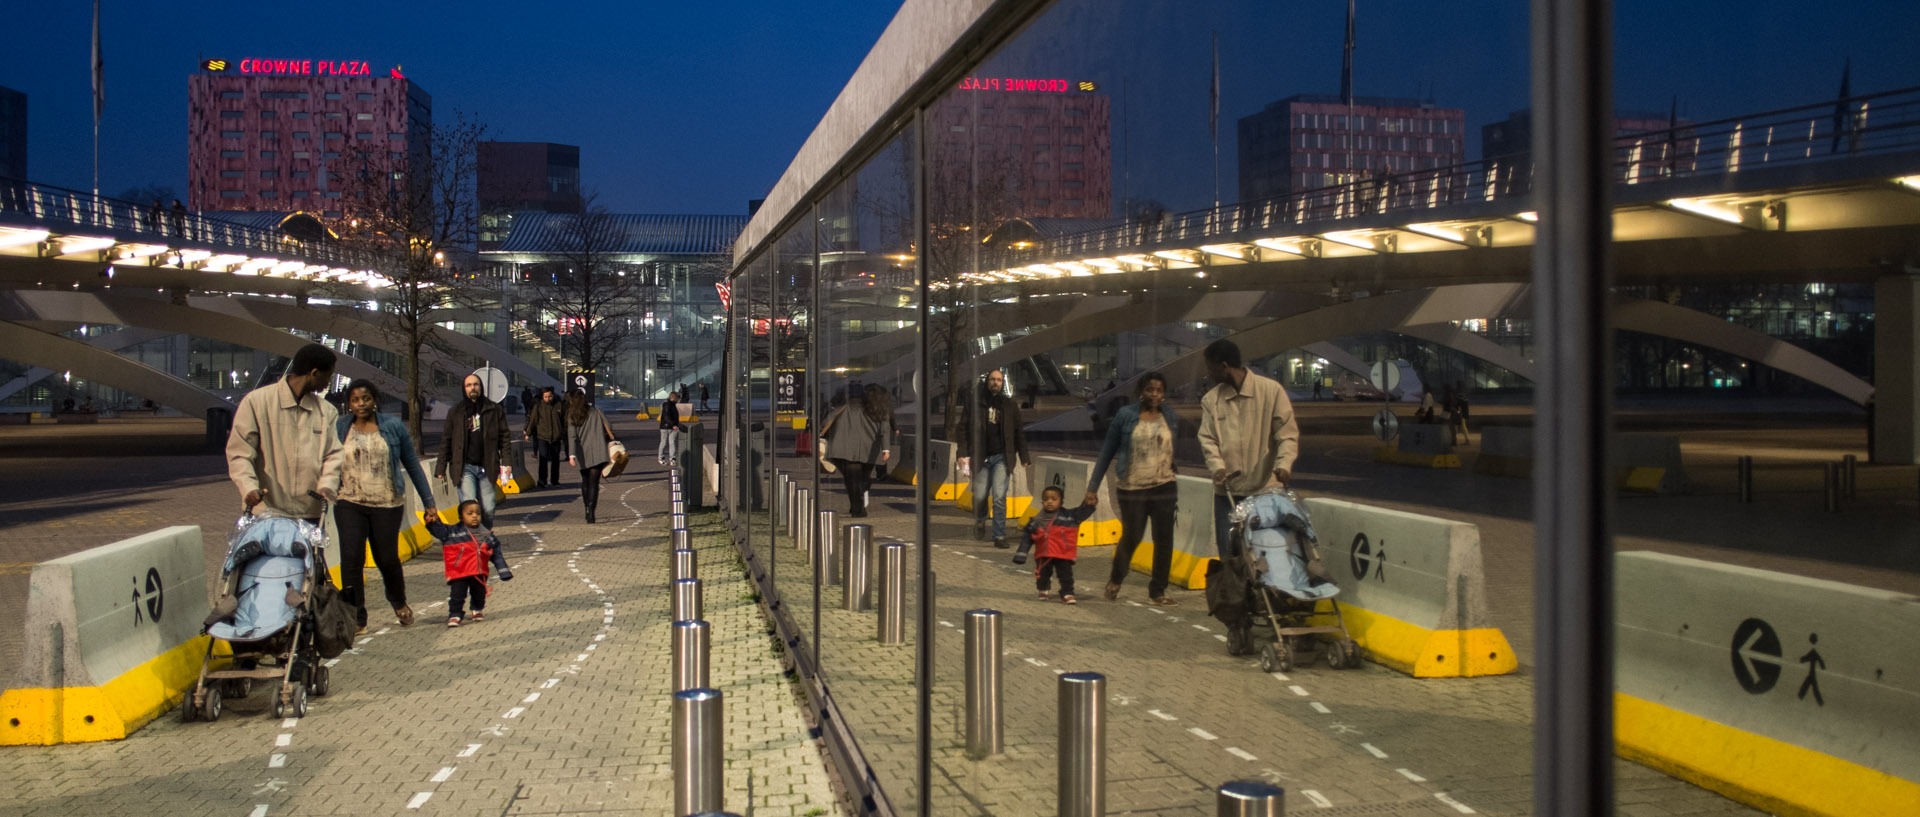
1033	394
377	464
1316	387
464	551
1139	446
855	437
547	430
179	219
526	400
587	438
283	444
670	427
1054	536
992	442
473	448
154	218
704	397
1247	433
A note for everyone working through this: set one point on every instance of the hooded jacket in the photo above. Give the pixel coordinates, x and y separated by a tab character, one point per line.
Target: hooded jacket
493	432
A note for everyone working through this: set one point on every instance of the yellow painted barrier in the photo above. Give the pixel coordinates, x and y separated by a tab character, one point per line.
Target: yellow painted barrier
1394	456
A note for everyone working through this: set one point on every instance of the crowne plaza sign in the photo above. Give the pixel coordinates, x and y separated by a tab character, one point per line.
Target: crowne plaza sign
254	65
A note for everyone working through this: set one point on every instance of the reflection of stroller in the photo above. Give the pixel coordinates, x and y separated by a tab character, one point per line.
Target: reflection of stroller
1277	573
266	614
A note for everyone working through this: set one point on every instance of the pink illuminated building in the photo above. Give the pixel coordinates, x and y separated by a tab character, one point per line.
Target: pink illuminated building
287	134
1043	146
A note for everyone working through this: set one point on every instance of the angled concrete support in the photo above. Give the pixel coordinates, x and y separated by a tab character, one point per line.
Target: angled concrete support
57	352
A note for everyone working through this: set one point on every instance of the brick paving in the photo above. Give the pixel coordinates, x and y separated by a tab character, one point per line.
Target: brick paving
556	704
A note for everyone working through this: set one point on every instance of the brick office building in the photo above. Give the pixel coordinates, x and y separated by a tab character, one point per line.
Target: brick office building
1044	147
291	134
1303	142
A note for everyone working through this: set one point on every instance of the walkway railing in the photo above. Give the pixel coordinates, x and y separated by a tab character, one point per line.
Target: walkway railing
1855	126
45	206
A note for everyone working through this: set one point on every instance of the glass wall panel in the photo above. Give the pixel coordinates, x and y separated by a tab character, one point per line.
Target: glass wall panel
863	400
790	328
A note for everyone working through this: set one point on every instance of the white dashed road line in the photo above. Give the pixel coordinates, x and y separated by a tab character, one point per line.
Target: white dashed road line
1374	750
1408	774
1318	799
1457	805
1202	733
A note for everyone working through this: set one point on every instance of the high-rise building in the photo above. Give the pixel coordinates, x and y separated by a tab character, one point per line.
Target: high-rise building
524	176
291	134
1038	148
13	134
1303	142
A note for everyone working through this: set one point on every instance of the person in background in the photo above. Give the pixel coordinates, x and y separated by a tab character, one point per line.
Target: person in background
1247	434
856	438
283	446
670	428
378	463
587	438
1139	446
991	437
473	447
547	429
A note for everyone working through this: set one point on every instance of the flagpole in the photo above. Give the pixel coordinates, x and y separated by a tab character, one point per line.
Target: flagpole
99	97
1213	121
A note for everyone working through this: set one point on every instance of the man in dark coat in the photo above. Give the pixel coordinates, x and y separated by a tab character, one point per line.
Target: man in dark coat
474	448
991	437
547	429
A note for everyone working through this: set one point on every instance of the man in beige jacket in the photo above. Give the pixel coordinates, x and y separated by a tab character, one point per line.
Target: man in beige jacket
284	443
1247	433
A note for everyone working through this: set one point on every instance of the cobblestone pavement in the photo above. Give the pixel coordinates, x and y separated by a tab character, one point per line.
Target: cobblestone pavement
557	703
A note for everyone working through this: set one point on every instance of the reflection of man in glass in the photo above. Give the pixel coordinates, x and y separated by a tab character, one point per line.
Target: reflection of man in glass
1247	433
989	435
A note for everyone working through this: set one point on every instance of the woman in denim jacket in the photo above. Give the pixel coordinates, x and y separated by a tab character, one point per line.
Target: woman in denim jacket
1140	448
378	462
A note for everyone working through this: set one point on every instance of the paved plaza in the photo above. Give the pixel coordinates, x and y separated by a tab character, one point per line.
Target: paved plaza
557	703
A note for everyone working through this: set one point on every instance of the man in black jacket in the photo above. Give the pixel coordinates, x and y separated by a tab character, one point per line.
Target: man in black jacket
990	450
547	429
474	447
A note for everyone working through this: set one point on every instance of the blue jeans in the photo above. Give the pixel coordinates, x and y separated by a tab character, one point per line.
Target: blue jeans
477	484
990	478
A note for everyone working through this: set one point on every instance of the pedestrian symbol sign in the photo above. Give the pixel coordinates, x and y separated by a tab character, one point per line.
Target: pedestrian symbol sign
1756	656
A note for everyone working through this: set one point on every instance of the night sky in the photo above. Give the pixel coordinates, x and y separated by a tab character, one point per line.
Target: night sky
698	107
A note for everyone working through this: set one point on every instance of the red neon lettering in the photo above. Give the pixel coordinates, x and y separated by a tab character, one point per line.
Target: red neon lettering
326	67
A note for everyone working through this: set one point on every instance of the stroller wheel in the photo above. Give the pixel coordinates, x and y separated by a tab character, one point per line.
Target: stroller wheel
1269	662
1285	651
189	711
210	704
238	687
299	707
322	682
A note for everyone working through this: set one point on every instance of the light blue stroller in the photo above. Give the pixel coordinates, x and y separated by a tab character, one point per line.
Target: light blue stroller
266	614
1282	556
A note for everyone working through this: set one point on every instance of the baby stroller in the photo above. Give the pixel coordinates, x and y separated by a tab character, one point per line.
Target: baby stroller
1277	573
266	613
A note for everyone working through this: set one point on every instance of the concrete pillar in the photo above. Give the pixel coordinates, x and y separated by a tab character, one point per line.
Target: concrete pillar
1896	369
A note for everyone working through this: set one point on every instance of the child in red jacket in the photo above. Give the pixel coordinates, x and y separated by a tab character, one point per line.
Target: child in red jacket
1056	533
465	550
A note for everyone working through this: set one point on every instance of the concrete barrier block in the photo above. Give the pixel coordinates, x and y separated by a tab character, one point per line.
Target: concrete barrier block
1021	492
1193	543
1071	477
112	639
942	461
1791	694
1424	438
1650	463
1413	589
522	480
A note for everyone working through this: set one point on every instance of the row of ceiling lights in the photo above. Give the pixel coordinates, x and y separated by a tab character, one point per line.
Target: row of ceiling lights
203	260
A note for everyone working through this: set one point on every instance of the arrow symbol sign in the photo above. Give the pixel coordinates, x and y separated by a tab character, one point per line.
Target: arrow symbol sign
1756	656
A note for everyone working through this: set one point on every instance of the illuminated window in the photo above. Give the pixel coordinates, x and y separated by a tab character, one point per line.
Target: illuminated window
301	154
332	95
363	116
335	115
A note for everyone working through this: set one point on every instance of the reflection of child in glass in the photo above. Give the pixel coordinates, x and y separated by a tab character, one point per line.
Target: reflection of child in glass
1056	534
465	550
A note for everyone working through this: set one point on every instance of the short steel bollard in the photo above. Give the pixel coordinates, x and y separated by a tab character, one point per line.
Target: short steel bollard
780	484
1083	745
678	520
1832	471
804	524
1250	798
854	594
686	600
682	539
826	552
893	593
1743	473
690	641
698	774
982	633
787	508
1849	472
686	565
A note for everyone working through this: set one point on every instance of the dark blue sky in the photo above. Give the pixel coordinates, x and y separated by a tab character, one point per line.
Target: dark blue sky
698	107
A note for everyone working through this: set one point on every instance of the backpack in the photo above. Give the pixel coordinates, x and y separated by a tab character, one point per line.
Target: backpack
335	619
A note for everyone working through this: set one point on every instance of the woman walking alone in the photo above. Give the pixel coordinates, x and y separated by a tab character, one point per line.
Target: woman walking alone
856	439
587	438
1139	446
378	463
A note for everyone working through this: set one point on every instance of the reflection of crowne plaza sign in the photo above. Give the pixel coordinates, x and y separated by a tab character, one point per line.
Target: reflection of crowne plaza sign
345	68
1051	86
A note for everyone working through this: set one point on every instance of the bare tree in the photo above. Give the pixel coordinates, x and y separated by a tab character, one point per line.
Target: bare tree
592	299
419	209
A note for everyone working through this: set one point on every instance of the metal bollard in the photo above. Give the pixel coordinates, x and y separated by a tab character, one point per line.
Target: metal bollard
982	632
1832	471
686	565
682	539
1083	745
698	779
690	641
854	594
1250	798
803	520
1849	471
780	485
893	593
686	600
1743	474
788	509
678	519
827	550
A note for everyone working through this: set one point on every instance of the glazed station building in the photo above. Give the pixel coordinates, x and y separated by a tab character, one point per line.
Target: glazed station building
288	134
